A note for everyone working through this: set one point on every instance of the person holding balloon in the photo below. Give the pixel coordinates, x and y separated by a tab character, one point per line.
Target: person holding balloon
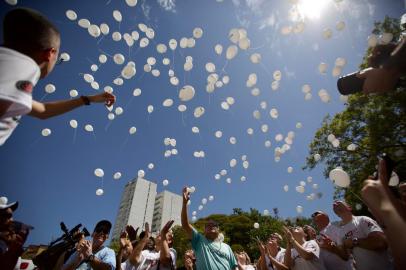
27	55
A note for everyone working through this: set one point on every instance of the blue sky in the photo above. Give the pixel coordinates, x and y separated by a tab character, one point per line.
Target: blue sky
53	177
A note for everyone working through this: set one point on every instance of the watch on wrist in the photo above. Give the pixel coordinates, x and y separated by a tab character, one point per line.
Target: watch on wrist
355	242
90	258
85	100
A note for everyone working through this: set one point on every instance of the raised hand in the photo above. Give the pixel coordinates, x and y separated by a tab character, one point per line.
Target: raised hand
124	241
104	97
166	228
186	194
132	234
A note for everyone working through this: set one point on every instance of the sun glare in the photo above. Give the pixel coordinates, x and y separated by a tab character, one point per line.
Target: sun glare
311	9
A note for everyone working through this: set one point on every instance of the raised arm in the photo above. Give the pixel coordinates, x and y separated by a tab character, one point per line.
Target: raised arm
135	257
165	254
124	242
50	109
184	219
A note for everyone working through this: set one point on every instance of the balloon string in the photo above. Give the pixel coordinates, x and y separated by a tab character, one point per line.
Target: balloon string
129	102
100	50
125	142
94	136
265	68
74	136
183	121
98	42
108	125
43	97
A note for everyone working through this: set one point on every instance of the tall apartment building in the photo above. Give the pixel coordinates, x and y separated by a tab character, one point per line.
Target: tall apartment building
168	206
136	206
140	203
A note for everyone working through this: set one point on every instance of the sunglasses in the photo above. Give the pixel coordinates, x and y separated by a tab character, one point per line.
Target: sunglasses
315	214
6	215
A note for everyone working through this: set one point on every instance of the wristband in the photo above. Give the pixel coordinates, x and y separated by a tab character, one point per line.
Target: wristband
90	258
85	100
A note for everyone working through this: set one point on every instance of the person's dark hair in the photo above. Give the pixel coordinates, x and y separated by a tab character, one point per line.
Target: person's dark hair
103	225
26	30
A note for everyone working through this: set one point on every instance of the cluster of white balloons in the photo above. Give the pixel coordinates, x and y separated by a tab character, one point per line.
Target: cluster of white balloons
170	143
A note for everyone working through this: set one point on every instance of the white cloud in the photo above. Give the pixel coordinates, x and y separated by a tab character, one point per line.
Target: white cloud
168	5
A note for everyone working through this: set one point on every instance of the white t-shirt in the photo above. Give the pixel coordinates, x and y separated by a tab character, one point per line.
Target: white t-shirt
280	256
331	260
361	227
149	261
18	76
302	264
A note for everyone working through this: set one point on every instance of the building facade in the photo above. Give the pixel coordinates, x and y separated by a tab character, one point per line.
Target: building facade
136	206
168	206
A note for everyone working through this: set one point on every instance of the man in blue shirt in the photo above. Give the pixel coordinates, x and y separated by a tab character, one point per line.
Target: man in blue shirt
93	255
210	253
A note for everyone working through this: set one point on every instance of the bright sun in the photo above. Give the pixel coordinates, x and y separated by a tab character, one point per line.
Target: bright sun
311	9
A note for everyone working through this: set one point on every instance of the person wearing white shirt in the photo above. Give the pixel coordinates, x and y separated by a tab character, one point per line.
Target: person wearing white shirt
160	257
363	237
331	251
301	254
27	55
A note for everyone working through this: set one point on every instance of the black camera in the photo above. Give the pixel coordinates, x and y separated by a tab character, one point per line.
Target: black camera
63	246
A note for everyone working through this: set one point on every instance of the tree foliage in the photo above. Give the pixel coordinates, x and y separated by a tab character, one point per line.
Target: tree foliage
376	124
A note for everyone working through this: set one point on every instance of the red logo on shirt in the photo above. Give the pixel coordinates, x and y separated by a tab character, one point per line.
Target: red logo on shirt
25	86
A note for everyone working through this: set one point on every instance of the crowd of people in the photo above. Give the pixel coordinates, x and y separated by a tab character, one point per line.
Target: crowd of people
354	242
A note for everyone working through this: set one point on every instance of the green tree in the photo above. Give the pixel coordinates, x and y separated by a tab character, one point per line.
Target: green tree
376	124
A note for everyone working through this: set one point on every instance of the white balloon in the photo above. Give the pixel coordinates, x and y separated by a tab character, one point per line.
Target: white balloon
136	92
264	128
161	48
309	179
141	174
210	67
317	157
277	75
173	44
99	172
116	36
174	81
167	102
144	42
104	28
234	35
46	132
65	57
315	186
255	92
218	49
195	129
340	62
243	178
117	15
255	58
166	61
336	71
211	198
150	108
322	68
233	162
118	58
274	113
300	189
299	125
182	108
131	3
165	182
94	68
267	144
228	180
199	111
256	225
142	27
89	128
94	30
250	131
306	88
117	175
351	147
231	52
132	130
327	33
102	58
95	85
111	116
233	140
84	23
99	192
286	188
150	33
244	43
50	88
286	30
278	137
73	123
308	96
225	106
290	169
299	209
135	35
340	26
119	110
197	32
245	164
252	80
71	15
218	134
339	177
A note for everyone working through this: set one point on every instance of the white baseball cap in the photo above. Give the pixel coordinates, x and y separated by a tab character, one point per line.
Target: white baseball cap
4	205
